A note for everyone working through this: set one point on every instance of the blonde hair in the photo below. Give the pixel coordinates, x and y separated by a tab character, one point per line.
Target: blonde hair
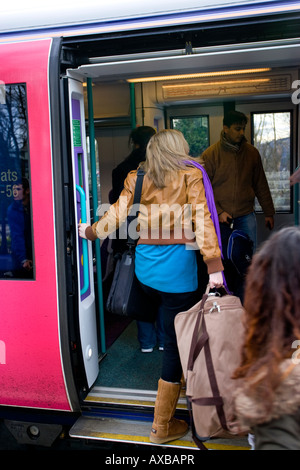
166	153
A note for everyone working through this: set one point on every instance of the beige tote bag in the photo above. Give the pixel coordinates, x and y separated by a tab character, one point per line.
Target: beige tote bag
210	336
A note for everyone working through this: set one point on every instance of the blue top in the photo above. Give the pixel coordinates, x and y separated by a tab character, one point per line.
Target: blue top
167	268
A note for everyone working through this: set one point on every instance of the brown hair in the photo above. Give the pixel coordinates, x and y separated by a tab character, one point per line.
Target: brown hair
272	304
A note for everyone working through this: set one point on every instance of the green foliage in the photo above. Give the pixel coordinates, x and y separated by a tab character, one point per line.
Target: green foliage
195	131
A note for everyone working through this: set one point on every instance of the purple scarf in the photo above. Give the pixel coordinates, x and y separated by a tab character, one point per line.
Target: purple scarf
211	206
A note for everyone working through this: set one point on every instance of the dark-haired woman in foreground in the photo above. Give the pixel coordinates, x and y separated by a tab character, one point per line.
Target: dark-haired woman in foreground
269	398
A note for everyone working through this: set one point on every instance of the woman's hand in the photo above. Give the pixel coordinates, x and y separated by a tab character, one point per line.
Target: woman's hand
82	229
216	279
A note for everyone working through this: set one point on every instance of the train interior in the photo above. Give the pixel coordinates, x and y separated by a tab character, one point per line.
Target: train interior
181	70
259	85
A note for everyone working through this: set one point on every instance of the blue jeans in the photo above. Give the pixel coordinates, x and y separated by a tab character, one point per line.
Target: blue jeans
247	223
150	334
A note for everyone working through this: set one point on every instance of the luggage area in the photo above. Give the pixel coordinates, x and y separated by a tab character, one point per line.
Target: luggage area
120	405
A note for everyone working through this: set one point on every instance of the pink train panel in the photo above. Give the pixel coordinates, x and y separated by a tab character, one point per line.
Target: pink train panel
31	373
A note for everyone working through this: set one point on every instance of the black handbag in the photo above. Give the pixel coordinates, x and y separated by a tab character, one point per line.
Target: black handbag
126	296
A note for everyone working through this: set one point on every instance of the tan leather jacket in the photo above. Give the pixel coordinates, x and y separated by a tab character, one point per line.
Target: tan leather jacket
177	213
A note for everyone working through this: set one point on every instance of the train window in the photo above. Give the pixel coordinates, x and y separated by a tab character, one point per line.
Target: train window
271	135
195	130
16	260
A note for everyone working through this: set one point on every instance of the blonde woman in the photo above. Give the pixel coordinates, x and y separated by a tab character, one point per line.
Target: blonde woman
174	221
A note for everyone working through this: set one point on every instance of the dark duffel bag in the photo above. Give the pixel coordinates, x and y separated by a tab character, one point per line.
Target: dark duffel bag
126	296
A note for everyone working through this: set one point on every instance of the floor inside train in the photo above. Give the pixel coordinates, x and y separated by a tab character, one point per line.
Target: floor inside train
125	366
128	378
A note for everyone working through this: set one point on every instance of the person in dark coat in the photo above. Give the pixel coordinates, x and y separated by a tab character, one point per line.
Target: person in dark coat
139	138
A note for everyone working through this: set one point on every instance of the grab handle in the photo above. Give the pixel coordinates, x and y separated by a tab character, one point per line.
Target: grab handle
84	242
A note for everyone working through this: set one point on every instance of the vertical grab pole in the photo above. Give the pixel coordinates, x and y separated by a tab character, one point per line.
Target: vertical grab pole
95	206
85	257
132	106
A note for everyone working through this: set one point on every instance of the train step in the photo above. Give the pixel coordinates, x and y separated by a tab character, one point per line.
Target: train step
137	432
126	397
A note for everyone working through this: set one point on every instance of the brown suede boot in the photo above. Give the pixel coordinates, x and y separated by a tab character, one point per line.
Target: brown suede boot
166	428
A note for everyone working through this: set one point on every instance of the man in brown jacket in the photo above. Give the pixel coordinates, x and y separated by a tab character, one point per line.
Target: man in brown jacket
237	176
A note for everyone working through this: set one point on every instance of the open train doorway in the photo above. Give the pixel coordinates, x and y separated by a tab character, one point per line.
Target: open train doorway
163	91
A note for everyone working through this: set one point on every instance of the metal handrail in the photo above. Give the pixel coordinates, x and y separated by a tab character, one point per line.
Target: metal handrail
85	258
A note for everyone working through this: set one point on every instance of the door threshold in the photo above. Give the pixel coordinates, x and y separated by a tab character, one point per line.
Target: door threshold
126	396
137	432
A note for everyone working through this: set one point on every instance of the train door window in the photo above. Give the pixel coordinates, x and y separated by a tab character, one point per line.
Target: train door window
97	167
16	250
195	130
271	135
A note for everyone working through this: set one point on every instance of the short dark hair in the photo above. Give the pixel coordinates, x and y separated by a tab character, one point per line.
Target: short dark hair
234	117
141	135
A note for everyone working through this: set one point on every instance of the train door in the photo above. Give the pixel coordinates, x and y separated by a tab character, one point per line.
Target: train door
84	256
32	373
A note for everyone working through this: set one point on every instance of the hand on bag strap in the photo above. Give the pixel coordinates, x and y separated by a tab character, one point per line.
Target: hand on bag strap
216	279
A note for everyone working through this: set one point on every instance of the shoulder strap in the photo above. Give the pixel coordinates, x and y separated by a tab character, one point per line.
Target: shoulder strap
136	200
138	186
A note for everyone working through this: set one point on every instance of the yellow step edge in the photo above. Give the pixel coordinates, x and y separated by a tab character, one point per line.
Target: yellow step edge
177	443
98	399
